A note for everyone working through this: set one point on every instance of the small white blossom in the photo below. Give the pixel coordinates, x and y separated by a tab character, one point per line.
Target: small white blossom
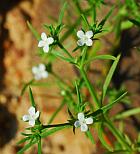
82	122
31	117
45	42
39	72
84	38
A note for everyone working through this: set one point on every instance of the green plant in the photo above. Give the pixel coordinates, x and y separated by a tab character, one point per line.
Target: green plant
95	113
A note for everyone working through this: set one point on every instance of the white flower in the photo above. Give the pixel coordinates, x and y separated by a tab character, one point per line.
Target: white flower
84	38
45	42
32	116
83	122
39	72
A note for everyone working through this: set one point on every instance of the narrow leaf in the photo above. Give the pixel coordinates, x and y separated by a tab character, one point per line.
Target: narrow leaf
25	87
33	30
59	55
127	113
109	106
85	20
94	14
78	94
75	49
109	77
116	132
128	140
31	97
100	57
23	140
53	130
70	114
89	135
96	113
62	13
27	146
102	137
101	24
25	134
57	111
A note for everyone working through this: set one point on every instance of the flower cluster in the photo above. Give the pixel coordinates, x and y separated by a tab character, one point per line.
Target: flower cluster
45	42
82	122
85	38
39	72
31	118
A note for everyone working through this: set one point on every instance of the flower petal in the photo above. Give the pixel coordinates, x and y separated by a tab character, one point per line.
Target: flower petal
35	70
80	34
84	127
77	124
36	115
80	42
41	43
46	48
37	77
89	42
89	34
43	36
89	120
44	74
25	117
81	117
31	111
41	67
32	122
50	40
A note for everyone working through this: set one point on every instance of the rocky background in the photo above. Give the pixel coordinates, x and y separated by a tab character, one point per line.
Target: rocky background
17	55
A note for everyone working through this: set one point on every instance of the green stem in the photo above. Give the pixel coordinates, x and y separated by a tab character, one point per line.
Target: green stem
65	50
39	146
56	112
61	81
84	53
94	13
75	25
68	90
96	113
72	104
90	87
70	30
56	125
78	7
117	134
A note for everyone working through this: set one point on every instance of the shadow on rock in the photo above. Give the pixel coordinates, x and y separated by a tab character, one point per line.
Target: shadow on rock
8	126
129	40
